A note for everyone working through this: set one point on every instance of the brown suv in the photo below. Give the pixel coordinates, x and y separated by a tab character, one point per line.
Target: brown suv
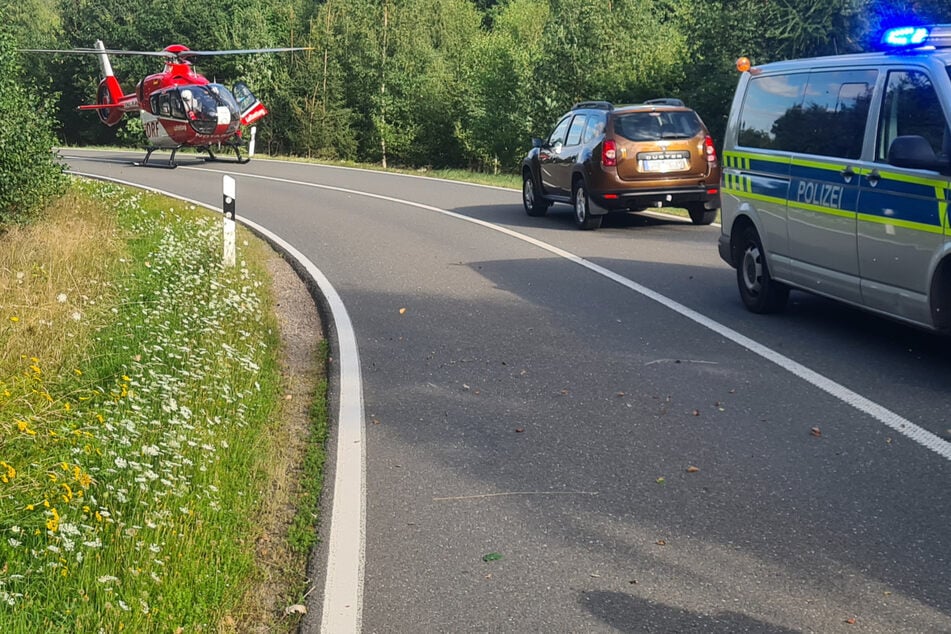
603	158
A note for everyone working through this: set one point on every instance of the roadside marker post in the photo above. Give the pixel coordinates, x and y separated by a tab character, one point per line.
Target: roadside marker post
228	189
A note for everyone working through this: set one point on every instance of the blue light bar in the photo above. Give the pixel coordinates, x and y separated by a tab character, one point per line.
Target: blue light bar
905	36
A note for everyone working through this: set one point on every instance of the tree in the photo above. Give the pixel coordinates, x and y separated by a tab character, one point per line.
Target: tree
30	175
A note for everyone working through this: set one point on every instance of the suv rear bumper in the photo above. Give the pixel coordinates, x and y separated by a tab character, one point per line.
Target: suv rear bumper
665	197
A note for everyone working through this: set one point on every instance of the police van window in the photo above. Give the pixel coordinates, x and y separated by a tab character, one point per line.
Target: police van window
767	100
574	132
831	121
911	107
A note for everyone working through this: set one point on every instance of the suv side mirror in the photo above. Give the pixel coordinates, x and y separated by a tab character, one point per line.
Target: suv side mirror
914	152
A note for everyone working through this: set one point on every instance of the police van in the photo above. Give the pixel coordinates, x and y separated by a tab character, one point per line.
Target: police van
837	176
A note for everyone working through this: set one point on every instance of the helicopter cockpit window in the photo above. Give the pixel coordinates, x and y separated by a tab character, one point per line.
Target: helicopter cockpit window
161	104
226	97
200	108
245	97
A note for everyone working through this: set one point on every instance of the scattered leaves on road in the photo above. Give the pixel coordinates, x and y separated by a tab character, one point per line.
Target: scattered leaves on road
692	469
491	557
815	431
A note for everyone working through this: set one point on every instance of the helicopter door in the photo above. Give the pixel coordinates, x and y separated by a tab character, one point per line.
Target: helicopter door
251	109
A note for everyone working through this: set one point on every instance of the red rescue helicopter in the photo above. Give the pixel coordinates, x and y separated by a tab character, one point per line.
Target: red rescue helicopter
179	107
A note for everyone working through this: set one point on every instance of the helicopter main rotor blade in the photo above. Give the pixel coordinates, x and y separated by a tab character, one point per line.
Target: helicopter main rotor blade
244	51
98	51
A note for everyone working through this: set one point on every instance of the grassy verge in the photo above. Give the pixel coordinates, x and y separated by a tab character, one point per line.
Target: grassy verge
139	394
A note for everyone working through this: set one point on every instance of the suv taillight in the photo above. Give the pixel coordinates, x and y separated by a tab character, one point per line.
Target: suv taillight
609	153
709	150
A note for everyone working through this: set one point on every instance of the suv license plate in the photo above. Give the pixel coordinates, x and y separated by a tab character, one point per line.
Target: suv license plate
664	165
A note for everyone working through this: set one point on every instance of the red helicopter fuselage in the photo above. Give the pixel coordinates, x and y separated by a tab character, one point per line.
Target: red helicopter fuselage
179	107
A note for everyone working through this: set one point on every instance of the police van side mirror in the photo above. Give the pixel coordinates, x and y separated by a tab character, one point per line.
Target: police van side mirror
914	152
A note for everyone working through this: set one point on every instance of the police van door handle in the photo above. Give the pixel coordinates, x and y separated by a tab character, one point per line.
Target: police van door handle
874	177
848	173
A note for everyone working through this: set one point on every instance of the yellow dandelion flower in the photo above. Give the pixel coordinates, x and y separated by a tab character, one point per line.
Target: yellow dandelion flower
52	524
67	407
78	372
30	507
35	360
64	572
14	319
64	466
46	503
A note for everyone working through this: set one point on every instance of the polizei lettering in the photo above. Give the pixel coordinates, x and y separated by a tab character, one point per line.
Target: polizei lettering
819	193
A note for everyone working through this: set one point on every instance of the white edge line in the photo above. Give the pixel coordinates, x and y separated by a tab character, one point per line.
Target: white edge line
880	413
343	591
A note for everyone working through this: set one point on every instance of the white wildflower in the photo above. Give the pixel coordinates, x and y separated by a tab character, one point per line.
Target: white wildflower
61	298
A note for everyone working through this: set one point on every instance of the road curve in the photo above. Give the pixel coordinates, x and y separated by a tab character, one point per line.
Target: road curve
584	431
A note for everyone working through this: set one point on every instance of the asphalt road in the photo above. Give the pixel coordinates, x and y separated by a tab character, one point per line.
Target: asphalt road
626	462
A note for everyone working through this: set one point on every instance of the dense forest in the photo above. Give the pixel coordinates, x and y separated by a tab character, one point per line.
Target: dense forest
443	83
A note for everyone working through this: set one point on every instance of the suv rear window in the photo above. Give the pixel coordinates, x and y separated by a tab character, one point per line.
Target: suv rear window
653	126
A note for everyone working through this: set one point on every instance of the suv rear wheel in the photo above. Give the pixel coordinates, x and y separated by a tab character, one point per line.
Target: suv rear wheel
535	205
583	217
700	215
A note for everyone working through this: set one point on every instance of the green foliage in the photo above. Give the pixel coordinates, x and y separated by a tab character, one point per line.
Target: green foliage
30	175
448	83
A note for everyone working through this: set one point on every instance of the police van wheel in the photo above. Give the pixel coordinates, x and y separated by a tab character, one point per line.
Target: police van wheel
700	215
760	293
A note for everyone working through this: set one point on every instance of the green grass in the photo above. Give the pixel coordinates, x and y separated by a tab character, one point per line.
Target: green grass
301	535
139	383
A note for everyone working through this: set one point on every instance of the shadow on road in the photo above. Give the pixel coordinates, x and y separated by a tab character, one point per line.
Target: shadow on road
633	615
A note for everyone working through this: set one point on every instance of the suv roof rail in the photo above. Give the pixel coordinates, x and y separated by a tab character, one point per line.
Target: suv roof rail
593	105
665	101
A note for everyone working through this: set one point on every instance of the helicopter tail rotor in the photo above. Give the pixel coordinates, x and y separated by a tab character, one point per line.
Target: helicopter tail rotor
111	103
109	90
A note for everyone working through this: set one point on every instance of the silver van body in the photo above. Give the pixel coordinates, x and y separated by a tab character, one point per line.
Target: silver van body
836	180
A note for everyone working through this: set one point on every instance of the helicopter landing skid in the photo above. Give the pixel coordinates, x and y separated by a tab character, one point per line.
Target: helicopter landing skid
148	154
237	153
